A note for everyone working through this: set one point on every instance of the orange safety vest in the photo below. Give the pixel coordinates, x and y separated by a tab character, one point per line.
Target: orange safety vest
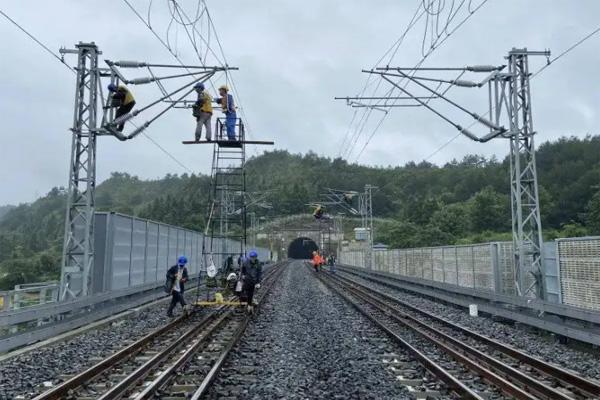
315	260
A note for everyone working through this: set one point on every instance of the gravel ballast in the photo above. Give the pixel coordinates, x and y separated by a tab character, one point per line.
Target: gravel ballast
544	347
308	343
24	375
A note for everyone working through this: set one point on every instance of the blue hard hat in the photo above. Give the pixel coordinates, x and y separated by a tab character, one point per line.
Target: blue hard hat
199	85
112	87
252	254
182	260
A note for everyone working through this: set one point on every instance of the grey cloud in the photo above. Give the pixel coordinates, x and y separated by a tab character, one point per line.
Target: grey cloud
294	57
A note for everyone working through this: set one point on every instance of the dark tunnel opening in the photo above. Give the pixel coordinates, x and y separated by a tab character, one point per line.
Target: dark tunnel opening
302	248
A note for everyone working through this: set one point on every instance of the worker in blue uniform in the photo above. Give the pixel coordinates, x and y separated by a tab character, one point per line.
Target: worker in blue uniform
228	107
177	275
251	277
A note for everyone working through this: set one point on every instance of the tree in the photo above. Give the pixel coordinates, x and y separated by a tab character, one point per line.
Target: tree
398	234
452	219
593	214
489	211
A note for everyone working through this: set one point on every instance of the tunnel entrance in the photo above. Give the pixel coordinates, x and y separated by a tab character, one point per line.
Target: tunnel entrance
302	248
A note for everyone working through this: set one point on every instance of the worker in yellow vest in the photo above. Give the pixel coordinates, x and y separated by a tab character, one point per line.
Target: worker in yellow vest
122	98
202	111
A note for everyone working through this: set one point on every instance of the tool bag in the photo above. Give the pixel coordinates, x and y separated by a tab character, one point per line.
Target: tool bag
196	111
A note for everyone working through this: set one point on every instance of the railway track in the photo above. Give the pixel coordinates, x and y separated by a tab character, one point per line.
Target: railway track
179	360
502	367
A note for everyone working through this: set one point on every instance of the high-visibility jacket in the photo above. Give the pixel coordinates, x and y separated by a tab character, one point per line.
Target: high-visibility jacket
316	260
127	96
206	101
321	260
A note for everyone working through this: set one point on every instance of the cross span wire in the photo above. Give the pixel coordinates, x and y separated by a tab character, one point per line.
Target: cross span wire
550	62
434	45
53	54
432	49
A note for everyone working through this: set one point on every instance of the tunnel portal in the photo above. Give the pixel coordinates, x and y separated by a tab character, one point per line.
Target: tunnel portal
302	248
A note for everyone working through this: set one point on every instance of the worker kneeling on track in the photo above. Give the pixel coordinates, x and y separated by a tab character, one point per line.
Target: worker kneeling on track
177	275
251	277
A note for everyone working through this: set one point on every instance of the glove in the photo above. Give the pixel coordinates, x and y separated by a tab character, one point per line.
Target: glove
257	286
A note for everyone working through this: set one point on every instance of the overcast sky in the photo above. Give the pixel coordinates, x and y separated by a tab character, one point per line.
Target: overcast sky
294	57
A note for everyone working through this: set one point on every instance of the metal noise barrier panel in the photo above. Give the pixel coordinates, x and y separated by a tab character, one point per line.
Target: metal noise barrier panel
135	252
491	267
470	266
579	264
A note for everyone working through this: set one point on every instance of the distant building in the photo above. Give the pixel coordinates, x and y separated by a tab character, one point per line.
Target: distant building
361	234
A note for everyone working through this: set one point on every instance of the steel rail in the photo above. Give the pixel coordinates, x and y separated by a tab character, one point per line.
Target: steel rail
437	370
78	380
66	388
588	387
167	376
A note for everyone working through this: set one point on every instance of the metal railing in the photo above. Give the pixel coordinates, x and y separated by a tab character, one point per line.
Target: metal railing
29	295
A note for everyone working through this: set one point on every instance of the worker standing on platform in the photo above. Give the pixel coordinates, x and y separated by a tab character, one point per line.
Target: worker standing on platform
202	110
122	98
228	107
177	275
251	277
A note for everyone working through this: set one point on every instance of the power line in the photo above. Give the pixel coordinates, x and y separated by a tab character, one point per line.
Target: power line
568	50
394	49
211	27
171	156
433	47
43	46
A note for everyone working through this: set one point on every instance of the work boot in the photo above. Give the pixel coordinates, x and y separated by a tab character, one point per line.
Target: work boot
197	138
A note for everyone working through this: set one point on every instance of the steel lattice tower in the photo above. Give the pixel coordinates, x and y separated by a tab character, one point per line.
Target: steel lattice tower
525	204
510	103
78	248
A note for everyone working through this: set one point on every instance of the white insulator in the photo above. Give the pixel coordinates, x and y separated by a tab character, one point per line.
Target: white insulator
141	81
467	133
481	68
485	122
130	64
138	131
492	135
124	118
459	82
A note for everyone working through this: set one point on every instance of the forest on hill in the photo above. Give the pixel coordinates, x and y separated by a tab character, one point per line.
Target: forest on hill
463	201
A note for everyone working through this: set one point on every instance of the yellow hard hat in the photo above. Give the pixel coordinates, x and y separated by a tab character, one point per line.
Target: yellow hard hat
224	87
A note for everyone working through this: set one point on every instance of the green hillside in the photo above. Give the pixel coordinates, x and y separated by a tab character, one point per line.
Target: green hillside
423	204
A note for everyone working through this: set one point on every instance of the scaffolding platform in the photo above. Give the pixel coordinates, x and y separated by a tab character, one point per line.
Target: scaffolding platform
230	143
